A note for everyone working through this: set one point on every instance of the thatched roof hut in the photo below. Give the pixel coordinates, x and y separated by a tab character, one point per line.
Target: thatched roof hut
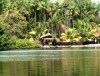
46	36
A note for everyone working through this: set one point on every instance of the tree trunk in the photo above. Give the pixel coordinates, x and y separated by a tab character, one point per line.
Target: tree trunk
45	15
35	18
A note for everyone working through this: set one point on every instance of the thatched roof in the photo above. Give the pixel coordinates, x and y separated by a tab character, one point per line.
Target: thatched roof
47	36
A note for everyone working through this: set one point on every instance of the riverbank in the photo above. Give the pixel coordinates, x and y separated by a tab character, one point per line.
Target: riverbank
66	46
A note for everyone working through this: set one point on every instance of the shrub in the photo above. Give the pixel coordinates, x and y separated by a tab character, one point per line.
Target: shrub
5	42
70	35
5	39
26	44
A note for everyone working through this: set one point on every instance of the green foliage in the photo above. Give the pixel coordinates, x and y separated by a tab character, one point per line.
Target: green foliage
83	33
57	39
16	25
19	17
71	35
87	32
5	39
5	42
38	31
26	44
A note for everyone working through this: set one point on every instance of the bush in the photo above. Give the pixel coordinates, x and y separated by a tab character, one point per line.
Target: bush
70	35
26	44
5	39
5	42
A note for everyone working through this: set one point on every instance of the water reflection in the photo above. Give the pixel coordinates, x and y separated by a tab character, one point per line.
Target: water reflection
50	63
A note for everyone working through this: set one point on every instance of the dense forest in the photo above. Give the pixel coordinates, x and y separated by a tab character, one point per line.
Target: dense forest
22	22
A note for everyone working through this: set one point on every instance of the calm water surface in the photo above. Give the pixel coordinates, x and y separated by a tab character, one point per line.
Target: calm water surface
61	62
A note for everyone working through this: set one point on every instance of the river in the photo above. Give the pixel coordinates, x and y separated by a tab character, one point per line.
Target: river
55	62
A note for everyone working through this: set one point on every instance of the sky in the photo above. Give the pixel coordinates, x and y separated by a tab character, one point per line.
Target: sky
96	1
53	0
60	1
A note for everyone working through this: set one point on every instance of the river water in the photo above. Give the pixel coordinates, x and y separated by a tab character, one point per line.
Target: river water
58	62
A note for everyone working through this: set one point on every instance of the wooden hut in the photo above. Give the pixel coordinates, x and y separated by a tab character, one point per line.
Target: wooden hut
45	39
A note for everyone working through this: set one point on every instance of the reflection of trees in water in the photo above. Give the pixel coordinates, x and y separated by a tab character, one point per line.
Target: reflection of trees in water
15	68
97	63
46	68
83	63
1	69
78	63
